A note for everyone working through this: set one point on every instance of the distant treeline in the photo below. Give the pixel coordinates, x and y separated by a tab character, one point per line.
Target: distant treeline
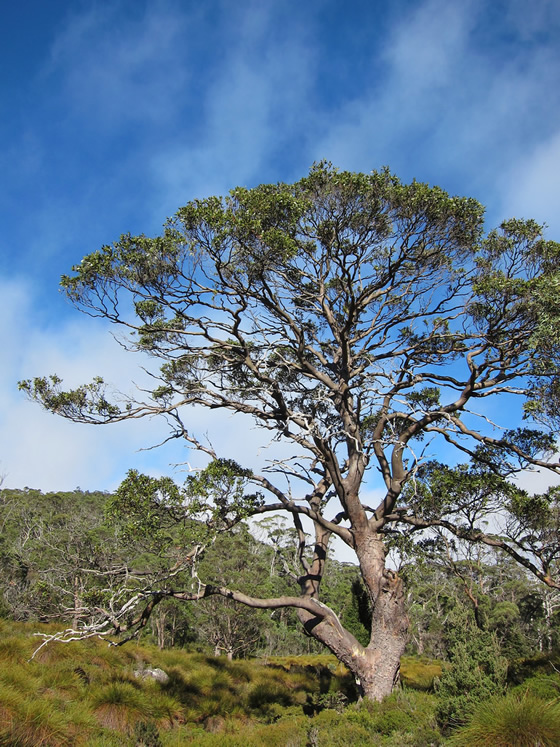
61	550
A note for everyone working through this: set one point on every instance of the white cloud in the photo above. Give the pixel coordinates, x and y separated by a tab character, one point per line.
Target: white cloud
115	73
254	106
426	48
451	100
537	481
531	187
39	449
45	451
408	92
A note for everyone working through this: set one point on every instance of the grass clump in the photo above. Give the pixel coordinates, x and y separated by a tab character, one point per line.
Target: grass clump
146	734
420	673
31	723
511	722
118	705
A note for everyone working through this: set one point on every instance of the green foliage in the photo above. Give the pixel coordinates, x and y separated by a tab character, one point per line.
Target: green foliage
526	669
146	734
441	490
78	404
220	488
477	671
543	686
47	542
147	508
343	590
505	620
162	512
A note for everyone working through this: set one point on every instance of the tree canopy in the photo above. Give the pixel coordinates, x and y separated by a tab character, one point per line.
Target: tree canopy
371	324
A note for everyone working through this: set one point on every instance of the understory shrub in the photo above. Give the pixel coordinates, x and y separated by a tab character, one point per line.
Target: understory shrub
546	687
477	672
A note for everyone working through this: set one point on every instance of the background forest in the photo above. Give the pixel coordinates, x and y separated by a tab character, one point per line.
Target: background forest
56	550
481	626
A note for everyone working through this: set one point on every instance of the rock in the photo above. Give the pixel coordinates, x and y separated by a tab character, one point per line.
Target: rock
157	674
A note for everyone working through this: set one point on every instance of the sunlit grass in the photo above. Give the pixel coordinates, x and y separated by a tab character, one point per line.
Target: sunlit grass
119	705
419	673
511	722
87	693
30	722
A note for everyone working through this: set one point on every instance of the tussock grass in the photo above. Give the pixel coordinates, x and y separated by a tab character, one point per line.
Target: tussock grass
119	706
31	723
86	693
511	722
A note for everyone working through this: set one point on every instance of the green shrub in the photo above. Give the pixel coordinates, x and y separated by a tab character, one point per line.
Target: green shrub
545	687
332	729
391	721
404	719
542	664
146	734
477	672
511	722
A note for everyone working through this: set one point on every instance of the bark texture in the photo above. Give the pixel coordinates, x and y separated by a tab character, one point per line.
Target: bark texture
376	666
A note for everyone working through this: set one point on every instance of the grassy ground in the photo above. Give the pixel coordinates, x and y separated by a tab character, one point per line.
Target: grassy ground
86	693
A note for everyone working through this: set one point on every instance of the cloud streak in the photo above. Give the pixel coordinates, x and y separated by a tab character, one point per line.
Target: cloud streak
451	105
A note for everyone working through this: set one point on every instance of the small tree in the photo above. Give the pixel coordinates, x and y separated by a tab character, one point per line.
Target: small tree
362	321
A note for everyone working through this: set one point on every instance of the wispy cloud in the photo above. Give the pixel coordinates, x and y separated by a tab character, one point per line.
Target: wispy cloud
451	102
43	450
256	114
115	72
532	186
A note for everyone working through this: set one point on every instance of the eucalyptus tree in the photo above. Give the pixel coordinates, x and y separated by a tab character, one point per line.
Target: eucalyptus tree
361	320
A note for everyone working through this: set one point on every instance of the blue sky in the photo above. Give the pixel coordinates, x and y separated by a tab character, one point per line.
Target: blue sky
116	113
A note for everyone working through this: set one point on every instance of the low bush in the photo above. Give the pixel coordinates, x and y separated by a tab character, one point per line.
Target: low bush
543	686
477	672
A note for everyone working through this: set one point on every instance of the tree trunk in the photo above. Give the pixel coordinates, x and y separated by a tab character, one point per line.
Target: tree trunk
389	624
77	601
160	629
376	667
